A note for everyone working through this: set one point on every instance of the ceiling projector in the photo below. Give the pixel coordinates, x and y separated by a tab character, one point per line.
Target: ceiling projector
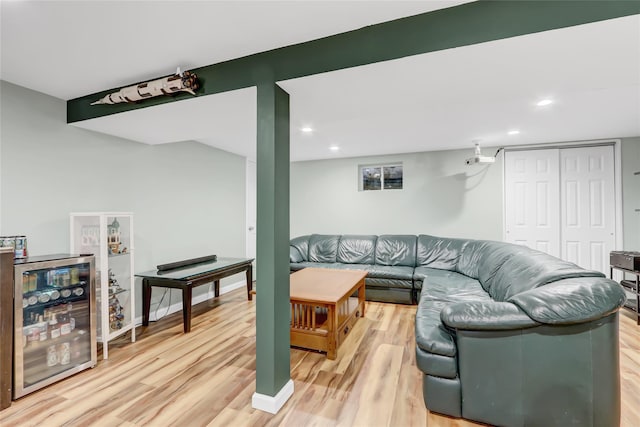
479	158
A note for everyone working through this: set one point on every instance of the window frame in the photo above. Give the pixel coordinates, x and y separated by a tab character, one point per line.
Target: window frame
382	166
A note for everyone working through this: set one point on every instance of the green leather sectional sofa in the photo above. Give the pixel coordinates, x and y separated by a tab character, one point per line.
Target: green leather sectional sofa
505	335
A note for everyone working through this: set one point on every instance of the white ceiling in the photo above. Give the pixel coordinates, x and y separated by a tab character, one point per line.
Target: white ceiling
69	49
441	100
447	99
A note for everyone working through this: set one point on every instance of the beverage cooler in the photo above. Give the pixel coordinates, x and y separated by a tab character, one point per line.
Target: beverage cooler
55	326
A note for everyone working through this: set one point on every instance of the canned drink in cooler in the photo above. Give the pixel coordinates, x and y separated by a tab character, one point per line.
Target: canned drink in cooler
20	246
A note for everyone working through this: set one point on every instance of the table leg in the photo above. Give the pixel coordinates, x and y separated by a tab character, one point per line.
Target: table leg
146	301
332	345
216	286
186	308
249	280
361	298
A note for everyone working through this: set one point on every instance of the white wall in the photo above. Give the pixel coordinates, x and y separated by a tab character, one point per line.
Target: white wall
441	196
188	199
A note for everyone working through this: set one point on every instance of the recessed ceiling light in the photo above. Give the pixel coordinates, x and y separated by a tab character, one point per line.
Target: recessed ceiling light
513	132
334	148
307	129
544	102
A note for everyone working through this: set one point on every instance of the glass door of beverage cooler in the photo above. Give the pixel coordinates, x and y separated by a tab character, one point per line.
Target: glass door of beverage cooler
54	321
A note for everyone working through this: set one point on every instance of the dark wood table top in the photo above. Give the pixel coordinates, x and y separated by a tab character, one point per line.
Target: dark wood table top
194	271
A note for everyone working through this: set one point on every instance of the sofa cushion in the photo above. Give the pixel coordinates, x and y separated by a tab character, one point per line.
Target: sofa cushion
571	301
435	364
299	249
364	267
486	316
381	271
295	266
431	335
390	272
449	286
379	282
438	252
396	250
382	276
531	269
435	275
323	248
481	259
357	249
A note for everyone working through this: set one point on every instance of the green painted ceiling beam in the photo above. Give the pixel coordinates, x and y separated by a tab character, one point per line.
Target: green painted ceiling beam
457	26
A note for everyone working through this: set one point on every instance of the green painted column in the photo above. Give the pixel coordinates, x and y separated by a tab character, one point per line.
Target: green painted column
272	253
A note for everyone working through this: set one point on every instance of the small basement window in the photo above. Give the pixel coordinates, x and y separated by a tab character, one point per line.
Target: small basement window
381	177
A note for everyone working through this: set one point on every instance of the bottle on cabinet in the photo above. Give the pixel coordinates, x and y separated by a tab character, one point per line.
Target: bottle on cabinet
54	327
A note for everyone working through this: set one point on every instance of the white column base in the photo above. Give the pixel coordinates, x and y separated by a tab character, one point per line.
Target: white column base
272	404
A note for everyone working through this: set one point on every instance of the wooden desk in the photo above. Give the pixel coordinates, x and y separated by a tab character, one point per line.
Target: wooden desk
188	277
322	309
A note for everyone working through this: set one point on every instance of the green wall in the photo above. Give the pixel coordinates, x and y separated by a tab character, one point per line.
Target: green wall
631	193
187	198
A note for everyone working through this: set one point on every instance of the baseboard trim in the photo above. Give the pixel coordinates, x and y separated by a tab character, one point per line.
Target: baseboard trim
272	404
173	308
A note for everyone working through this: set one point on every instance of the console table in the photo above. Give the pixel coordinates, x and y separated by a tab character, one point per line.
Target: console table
634	287
186	277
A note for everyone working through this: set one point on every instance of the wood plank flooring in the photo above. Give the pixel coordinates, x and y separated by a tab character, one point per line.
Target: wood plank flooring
207	377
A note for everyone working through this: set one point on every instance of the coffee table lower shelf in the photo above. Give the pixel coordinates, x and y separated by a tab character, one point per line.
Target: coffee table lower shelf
323	326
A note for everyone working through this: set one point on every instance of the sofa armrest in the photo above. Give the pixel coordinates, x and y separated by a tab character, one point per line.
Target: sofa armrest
570	301
485	316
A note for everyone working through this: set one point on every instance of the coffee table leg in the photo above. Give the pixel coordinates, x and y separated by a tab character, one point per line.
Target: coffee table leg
332	350
186	308
361	298
249	280
216	288
146	301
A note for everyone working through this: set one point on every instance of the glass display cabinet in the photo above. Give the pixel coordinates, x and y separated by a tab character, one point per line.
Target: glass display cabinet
54	320
109	237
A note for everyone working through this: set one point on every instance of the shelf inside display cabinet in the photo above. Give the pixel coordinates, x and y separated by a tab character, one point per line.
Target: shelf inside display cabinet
110	255
118	292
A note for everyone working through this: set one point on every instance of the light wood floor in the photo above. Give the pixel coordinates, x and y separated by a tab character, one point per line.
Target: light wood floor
207	377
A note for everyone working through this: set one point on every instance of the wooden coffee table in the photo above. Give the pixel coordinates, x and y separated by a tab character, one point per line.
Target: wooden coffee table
322	308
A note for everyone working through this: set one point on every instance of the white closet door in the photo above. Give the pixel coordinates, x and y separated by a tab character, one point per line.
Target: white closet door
588	206
532	199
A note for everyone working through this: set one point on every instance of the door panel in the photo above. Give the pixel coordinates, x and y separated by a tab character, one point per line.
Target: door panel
587	205
532	198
